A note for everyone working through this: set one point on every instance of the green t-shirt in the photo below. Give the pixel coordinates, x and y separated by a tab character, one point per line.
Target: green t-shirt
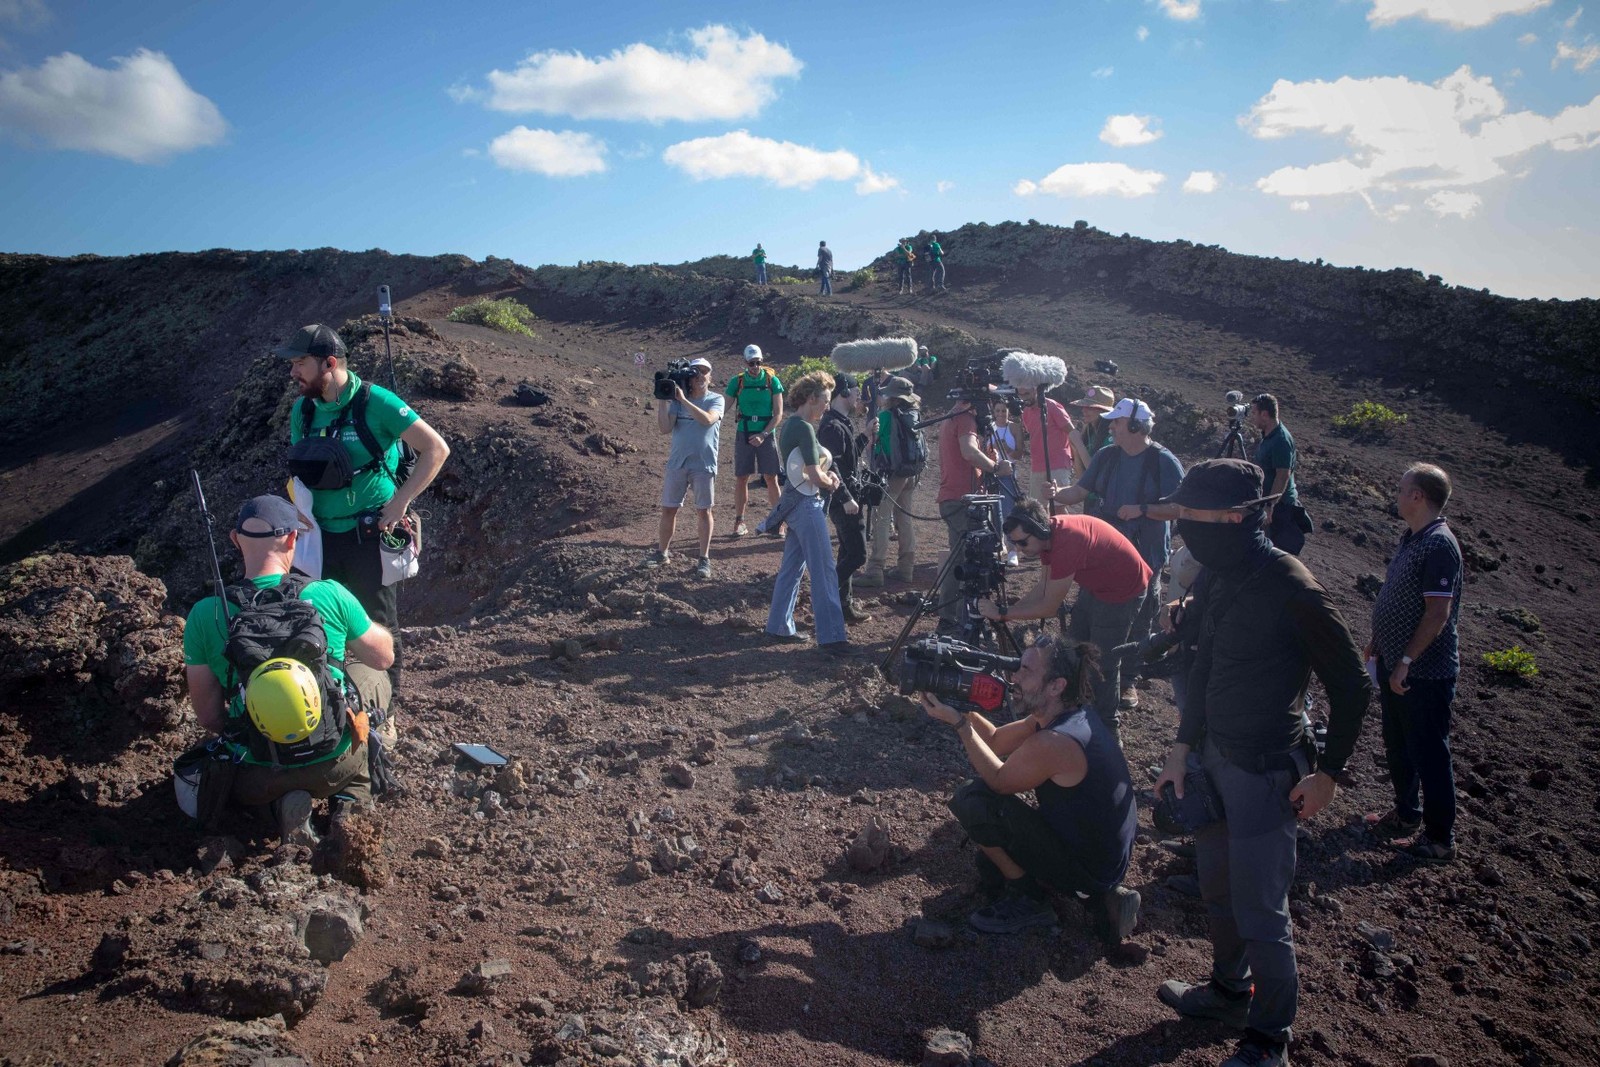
759	255
1276	453
936	251
885	429
205	635
388	417
754	398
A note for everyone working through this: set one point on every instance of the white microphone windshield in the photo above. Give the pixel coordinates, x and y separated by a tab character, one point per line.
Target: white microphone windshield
1025	370
890	353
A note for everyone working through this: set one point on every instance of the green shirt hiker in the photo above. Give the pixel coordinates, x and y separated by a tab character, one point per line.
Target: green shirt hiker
388	417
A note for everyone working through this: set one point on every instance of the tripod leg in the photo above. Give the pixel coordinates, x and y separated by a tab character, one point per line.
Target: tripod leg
885	668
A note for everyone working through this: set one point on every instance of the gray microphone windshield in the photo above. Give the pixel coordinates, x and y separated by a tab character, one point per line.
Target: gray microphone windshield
1027	371
890	353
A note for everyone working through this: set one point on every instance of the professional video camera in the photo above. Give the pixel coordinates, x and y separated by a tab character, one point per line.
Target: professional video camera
1236	407
978	564
980	383
962	676
678	373
869	487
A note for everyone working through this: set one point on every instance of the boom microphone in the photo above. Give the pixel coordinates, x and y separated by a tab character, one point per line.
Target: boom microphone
890	353
1025	371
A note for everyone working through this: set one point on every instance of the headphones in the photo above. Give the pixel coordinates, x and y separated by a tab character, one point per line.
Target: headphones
1017	520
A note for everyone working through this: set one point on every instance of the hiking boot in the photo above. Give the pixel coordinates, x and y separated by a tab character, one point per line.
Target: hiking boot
657	557
853	612
1181	847
294	819
739	527
1206	1001
1122	913
1257	1052
777	531
841	649
904	574
1425	849
787	639
1013	913
703	568
871	579
1392	826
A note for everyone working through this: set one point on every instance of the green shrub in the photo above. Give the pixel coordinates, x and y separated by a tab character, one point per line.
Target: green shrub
1515	661
862	278
505	315
807	364
1368	418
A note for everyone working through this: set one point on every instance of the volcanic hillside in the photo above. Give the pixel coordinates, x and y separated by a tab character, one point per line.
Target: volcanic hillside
708	849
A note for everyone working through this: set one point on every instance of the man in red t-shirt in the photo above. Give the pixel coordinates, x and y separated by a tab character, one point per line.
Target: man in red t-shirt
962	462
1112	579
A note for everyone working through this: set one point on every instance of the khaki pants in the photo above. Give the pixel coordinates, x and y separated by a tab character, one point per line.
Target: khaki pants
902	490
254	785
373	685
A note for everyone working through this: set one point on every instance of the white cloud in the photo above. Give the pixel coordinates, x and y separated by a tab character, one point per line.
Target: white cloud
1527	39
1457	14
1201	181
1126	131
1143	33
1102	72
24	14
782	163
1454	202
1572	19
1300	205
1404	137
1093	179
140	109
553	153
723	76
1581	57
1182	10
944	187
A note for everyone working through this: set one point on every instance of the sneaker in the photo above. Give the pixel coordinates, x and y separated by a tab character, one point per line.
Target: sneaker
1425	849
1013	913
1122	913
1206	1001
870	578
1181	847
703	568
853	613
776	532
1255	1052
739	527
657	557
787	639
1129	701
904	574
1392	826
294	818
841	649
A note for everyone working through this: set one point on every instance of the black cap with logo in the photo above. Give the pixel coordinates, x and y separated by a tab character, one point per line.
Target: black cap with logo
314	340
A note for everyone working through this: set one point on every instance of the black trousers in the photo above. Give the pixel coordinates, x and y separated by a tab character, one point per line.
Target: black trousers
852	533
357	566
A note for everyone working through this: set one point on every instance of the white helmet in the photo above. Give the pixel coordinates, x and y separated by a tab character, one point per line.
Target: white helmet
752	352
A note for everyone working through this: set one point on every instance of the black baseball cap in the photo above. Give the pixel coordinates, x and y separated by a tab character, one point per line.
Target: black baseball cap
1219	485
277	512
314	340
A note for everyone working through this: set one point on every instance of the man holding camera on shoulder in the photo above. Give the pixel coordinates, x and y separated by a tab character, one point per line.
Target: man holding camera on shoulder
1265	625
694	419
1080	836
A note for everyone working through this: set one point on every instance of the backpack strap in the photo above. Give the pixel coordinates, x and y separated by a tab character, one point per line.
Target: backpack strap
369	440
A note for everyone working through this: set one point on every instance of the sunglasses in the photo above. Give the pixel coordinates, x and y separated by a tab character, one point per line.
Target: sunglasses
1020	542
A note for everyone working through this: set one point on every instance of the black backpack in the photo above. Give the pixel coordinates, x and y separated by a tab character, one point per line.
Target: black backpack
321	461
908	455
276	622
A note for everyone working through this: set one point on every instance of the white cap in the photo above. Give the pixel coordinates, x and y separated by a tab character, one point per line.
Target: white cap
1129	407
701	362
752	352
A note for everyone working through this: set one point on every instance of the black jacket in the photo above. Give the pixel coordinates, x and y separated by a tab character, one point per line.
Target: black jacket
837	434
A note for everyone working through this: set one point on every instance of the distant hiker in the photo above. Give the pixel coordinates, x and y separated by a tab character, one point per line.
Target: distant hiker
758	394
825	268
695	422
760	258
1287	522
837	434
1079	838
293	728
904	257
935	253
927	364
806	548
352	431
901	453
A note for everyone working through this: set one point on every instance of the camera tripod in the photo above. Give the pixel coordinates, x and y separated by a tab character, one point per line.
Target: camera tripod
973	629
1233	444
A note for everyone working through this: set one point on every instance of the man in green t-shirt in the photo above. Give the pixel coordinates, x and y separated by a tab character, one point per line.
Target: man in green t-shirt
375	500
759	257
758	394
1275	455
265	532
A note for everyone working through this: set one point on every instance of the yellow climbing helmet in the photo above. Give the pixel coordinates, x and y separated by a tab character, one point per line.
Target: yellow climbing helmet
283	700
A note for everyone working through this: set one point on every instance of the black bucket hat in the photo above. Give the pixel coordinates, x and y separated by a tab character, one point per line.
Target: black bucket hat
1220	485
314	340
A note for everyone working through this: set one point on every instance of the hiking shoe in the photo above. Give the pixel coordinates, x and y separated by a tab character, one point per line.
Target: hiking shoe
1013	913
1187	884
703	568
1206	1001
1181	847
1129	700
841	649
1122	913
776	531
787	639
1255	1052
657	557
1392	826
904	574
294	819
853	613
870	578
1425	849
739	527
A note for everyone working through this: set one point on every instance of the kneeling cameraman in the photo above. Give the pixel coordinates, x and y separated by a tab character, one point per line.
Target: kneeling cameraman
1080	837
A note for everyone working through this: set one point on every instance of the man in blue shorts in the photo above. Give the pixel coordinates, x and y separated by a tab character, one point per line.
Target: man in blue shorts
694	420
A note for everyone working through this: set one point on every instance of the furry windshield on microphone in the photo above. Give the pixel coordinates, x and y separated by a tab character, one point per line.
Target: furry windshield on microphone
890	353
1027	371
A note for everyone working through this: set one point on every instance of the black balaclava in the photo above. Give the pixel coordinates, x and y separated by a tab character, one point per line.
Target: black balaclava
1227	546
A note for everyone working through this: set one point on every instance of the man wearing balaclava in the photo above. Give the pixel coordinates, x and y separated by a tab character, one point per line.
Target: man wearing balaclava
1266	625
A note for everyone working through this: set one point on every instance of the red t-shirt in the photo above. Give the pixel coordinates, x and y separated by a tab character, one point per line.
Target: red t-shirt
1097	557
1060	426
957	475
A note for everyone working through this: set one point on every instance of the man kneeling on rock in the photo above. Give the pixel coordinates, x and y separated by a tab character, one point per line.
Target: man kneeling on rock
1080	836
272	682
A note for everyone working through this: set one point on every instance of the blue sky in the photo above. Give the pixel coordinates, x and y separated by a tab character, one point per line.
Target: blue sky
1458	137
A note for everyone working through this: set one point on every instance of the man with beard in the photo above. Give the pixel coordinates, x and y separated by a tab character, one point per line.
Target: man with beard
1080	837
837	434
1265	625
375	500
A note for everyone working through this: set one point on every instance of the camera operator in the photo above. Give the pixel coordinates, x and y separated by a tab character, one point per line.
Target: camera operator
1111	575
1275	455
694	421
1128	479
837	434
1265	625
1080	837
963	462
